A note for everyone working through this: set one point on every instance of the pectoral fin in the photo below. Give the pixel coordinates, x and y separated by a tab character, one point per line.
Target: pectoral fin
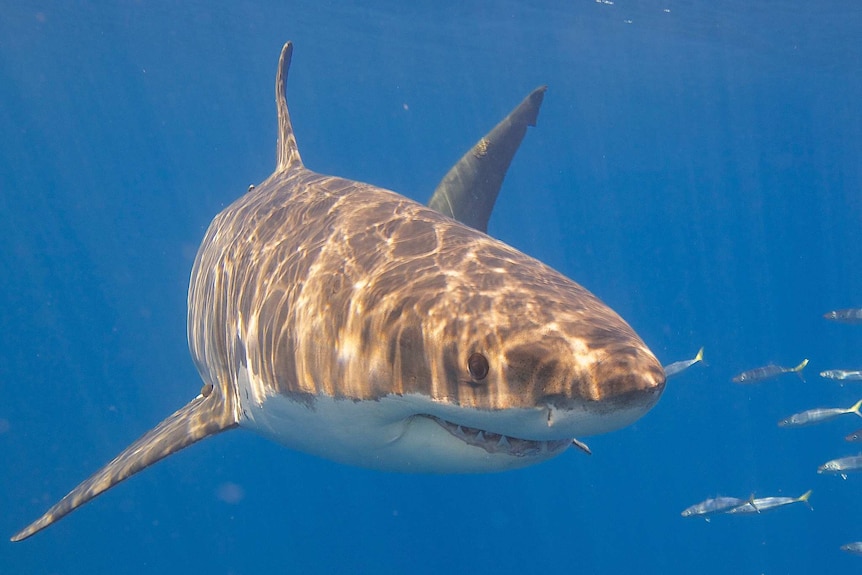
202	417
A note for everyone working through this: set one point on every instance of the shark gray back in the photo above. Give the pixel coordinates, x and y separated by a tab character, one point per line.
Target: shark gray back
349	322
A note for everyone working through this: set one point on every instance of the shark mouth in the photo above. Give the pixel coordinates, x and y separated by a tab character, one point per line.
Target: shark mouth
498	443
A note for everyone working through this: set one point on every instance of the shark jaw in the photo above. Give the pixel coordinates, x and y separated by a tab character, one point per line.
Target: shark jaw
412	434
499	443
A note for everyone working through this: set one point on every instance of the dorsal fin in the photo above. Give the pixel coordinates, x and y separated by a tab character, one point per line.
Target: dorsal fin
468	192
287	156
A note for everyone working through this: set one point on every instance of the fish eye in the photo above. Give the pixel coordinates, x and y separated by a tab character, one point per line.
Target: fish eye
478	366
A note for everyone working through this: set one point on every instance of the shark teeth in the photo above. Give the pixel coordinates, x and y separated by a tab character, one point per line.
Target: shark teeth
497	443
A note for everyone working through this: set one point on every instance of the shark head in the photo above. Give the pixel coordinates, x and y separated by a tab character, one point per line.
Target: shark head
527	353
443	350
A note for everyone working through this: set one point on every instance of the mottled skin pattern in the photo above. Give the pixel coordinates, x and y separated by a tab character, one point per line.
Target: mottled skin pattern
313	289
367	301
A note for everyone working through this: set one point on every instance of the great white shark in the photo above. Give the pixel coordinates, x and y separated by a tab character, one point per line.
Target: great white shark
349	322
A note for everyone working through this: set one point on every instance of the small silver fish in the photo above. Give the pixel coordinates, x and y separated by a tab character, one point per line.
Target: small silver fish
582	446
841	374
712	506
767	372
680	366
849	315
842	466
768	503
855	548
818	415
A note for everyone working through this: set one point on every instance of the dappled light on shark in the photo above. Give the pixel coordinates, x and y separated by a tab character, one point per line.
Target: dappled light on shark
349	322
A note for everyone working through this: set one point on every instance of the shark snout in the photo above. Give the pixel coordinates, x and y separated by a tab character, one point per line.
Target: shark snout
632	371
626	385
611	392
595	391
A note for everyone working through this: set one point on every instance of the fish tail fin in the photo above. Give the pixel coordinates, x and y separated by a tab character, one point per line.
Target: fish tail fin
798	369
856	407
202	417
804	499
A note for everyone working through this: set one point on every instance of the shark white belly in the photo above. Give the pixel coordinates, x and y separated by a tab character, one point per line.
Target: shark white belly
388	435
349	322
409	432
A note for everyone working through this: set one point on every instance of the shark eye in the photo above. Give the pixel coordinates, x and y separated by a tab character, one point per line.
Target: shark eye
478	366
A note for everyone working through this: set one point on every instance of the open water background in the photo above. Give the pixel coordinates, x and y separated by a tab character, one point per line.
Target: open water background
696	165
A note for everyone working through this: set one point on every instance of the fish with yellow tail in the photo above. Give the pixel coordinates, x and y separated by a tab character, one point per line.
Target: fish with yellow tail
819	415
768	503
768	372
678	367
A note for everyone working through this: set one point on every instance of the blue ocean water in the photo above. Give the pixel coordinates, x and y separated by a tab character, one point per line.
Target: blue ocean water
696	165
